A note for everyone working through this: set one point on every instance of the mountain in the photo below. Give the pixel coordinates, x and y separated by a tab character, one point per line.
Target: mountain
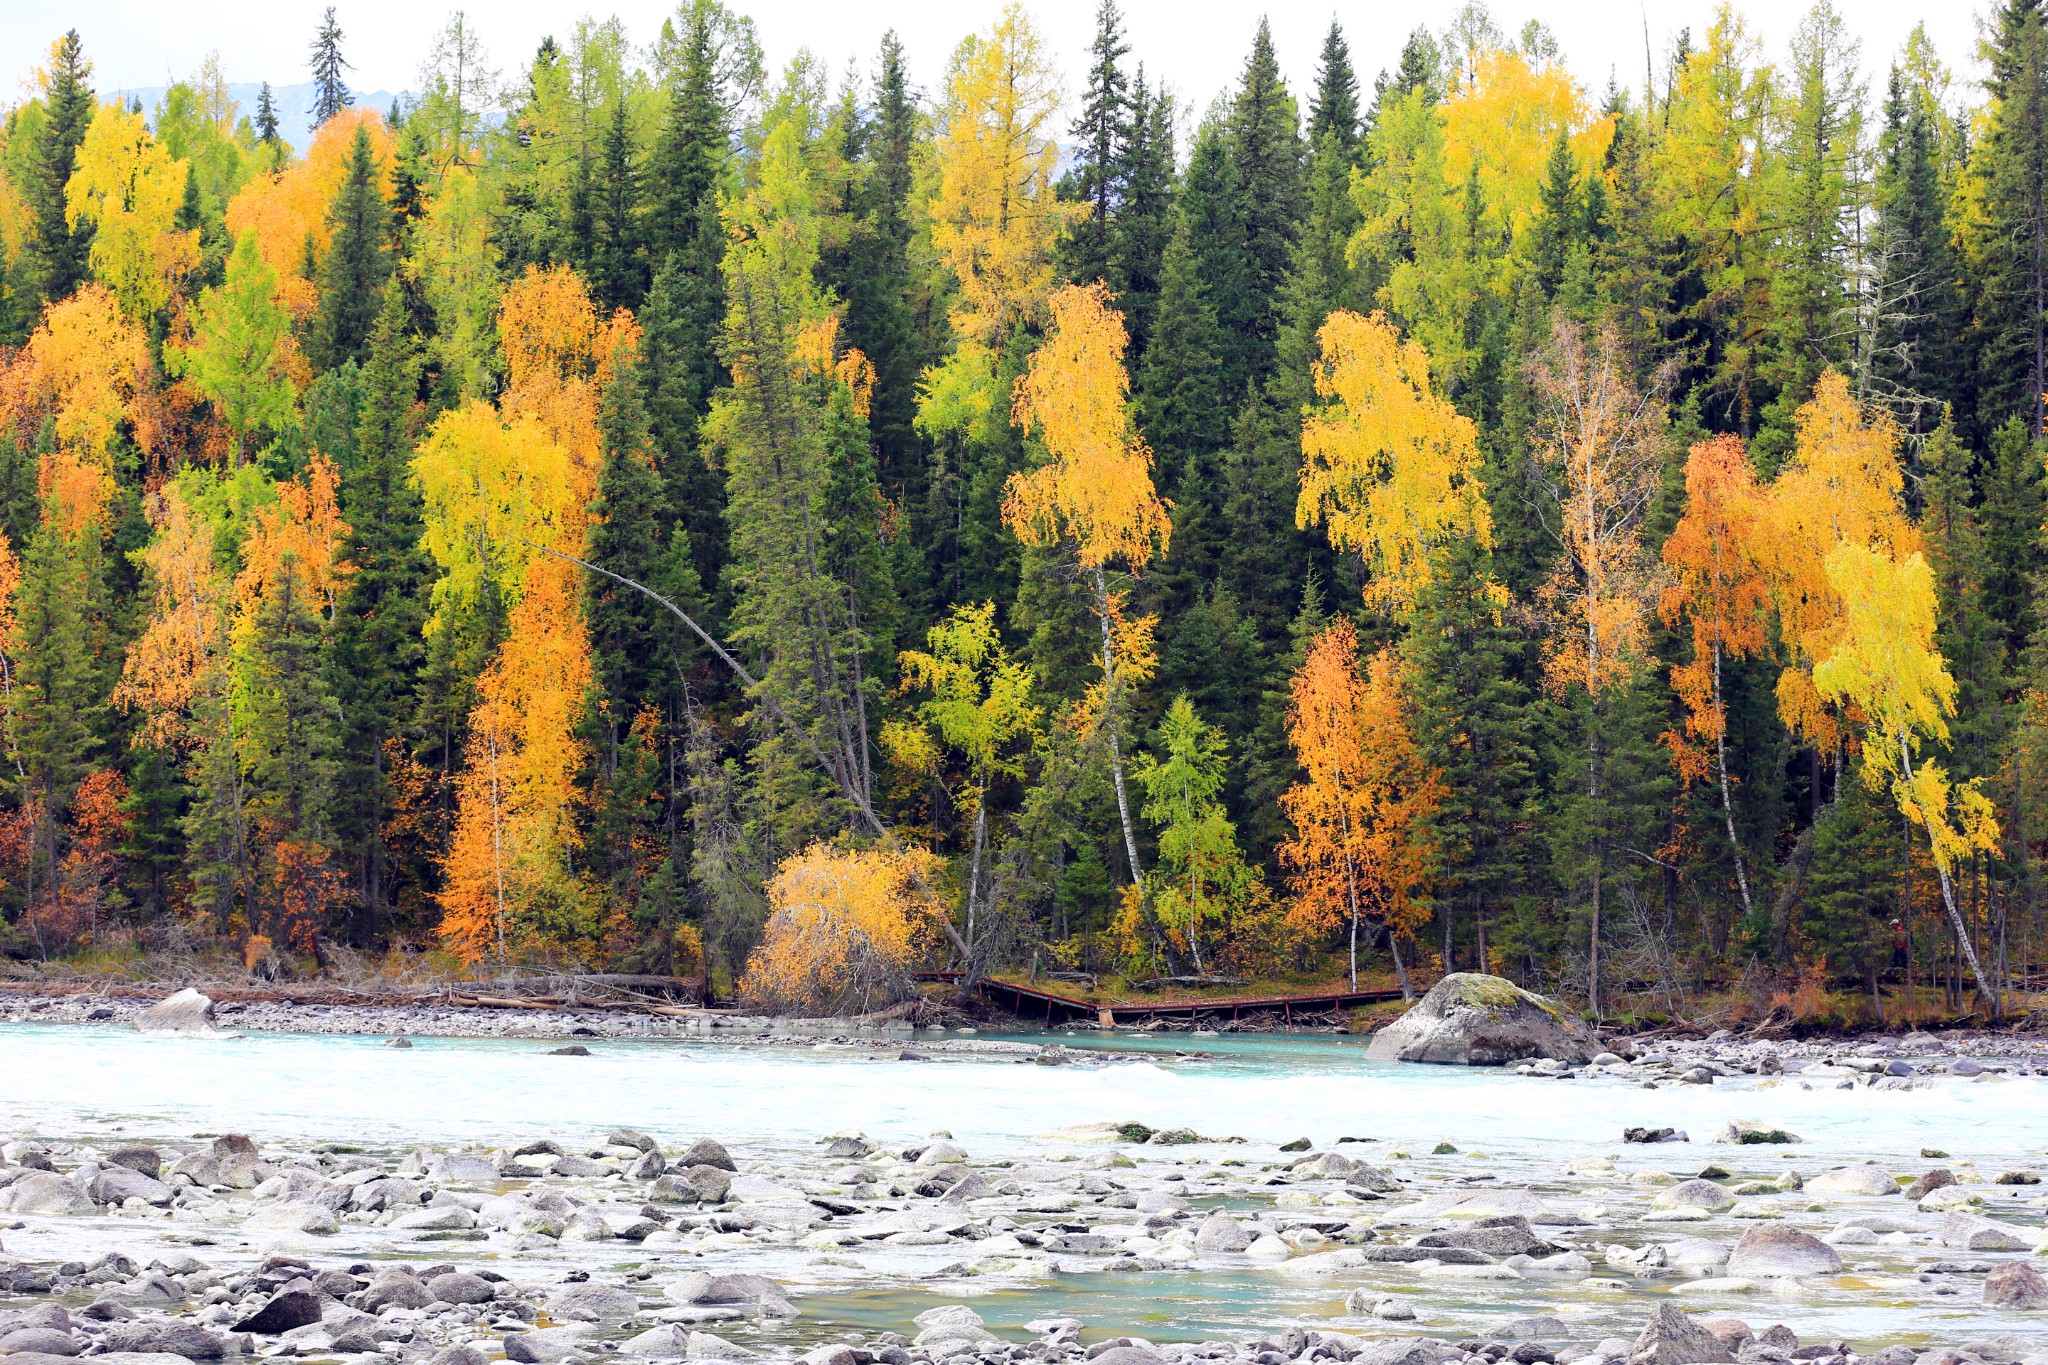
294	105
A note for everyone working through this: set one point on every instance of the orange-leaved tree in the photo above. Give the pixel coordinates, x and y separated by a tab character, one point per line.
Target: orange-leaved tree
1096	490
83	371
1885	664
1721	589
1389	466
1362	846
288	210
845	929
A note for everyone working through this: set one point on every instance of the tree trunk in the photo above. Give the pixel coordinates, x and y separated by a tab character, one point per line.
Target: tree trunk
1948	901
1727	802
1116	757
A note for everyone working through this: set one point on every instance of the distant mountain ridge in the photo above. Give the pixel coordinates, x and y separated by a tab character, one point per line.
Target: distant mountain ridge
294	104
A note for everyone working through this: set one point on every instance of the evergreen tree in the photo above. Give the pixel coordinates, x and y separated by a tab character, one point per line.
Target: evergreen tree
1103	131
1334	108
2012	504
377	653
617	266
1916	360
675	365
1209	210
330	93
266	117
2012	305
1145	218
358	261
1180	382
57	718
1852	891
1266	151
57	249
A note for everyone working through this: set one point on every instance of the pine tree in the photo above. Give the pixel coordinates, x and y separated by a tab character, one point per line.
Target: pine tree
57	249
675	363
357	262
2012	307
1334	109
1267	153
1102	132
1210	207
1915	359
1180	384
377	652
330	93
1145	219
2012	502
617	266
56	720
266	117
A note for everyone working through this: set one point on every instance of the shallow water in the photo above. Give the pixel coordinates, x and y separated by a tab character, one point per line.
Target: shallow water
62	1081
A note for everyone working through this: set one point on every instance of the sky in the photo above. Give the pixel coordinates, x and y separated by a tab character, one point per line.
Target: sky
1198	45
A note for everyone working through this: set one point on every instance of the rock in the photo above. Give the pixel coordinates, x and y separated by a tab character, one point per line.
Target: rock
47	1341
461	1168
187	1339
704	1346
1396	1351
1269	1248
1744	1132
1695	1194
140	1158
234	1145
705	1152
592	1302
397	1288
1672	1337
1300	1144
44	1193
829	1354
1220	1232
1533	1329
459	1286
1507	1237
1773	1249
2015	1284
1733	1333
648	1166
1470	1019
1854	1181
545	1346
294	1218
1127	1355
188	1011
293	1308
403	1043
573	1050
117	1184
755	1291
630	1137
1654	1135
1972	1232
462	1353
667	1341
1927	1182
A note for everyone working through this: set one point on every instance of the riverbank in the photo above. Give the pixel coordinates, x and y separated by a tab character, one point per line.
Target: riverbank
939	1227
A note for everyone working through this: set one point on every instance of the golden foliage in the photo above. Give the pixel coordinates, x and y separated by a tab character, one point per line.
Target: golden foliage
995	217
1362	845
173	660
1098	486
304	525
287	210
845	928
82	371
129	188
1499	127
1389	466
1720	588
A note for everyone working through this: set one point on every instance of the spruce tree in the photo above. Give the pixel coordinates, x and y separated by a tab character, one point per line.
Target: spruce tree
358	261
1145	219
1334	108
676	364
58	250
617	265
58	711
1102	132
377	652
1267	154
1210	210
330	93
2012	308
1916	360
1180	382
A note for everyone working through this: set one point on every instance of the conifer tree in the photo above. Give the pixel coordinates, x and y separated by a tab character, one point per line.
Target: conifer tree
58	247
1267	153
56	720
2012	308
1103	131
1915	358
1145	216
330	92
357	261
1334	108
617	262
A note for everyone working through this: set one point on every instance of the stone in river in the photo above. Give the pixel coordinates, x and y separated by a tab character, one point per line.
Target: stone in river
1128	1355
187	1339
573	1050
705	1152
647	1166
1694	1194
1654	1135
1772	1249
1507	1237
2015	1284
42	1192
398	1042
630	1137
1220	1232
188	1011
47	1341
704	1346
1533	1329
1973	1232
592	1302
1744	1132
547	1345
461	1353
1396	1351
1863	1180
1471	1019
1927	1182
293	1308
140	1158
118	1184
667	1341
461	1287
1672	1337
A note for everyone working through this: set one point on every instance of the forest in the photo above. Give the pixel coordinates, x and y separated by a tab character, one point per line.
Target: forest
637	510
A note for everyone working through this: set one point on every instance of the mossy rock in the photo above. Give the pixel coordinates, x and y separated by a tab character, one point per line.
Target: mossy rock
1471	1019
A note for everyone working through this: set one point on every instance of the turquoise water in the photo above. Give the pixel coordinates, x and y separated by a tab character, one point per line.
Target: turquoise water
94	1082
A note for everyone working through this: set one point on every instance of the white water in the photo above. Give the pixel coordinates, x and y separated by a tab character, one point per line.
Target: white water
60	1080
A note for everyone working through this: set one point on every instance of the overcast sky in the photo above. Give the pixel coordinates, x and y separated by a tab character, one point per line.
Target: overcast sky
1197	45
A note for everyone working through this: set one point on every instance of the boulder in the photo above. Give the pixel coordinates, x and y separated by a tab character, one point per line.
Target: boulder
592	1302
139	1157
189	1011
1973	1232
118	1184
1220	1232
705	1152
704	1346
1927	1182
1672	1337
1695	1194
1746	1133
666	1342
2015	1284
293	1308
1396	1351
49	1341
1773	1249
42	1192
187	1339
547	1345
1470	1019
755	1292
1854	1181
1498	1237
460	1286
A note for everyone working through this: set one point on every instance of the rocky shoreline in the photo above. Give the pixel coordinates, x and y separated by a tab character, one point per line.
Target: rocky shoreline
1660	1248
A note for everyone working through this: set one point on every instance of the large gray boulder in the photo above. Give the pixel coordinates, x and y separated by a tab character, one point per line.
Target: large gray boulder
189	1011
1469	1019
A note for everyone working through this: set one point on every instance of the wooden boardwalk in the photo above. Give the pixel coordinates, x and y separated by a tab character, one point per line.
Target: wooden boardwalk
1029	1002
